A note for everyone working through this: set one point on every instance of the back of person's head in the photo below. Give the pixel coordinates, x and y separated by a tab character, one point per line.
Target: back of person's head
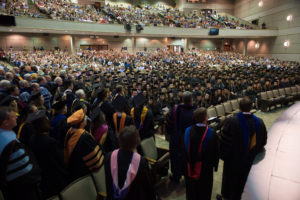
245	104
129	138
4	84
80	94
200	115
187	97
119	89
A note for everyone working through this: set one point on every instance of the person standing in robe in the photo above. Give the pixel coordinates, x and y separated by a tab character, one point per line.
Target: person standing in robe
82	153
243	137
102	133
202	156
59	122
178	120
127	172
120	118
142	117
49	154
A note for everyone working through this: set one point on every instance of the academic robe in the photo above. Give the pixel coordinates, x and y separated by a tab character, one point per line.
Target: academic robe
180	118
83	154
237	158
59	129
142	185
26	131
148	126
50	158
108	109
128	122
202	188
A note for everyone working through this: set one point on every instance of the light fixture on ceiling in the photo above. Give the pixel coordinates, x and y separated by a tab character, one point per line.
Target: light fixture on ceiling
260	4
289	18
256	45
286	44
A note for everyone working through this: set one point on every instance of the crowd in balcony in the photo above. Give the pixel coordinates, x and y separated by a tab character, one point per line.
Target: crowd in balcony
18	8
143	15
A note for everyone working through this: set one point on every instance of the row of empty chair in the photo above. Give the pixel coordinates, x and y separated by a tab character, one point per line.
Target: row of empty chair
279	97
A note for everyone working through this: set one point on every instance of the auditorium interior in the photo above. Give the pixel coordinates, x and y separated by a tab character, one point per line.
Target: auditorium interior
219	50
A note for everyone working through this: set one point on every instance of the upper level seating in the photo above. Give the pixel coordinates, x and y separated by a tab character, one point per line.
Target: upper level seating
142	15
17	8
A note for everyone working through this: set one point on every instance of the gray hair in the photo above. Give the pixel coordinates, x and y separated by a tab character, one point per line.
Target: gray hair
4	84
80	94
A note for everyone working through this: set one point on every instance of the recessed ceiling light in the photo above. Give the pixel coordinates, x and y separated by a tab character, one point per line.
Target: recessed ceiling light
286	44
289	18
260	4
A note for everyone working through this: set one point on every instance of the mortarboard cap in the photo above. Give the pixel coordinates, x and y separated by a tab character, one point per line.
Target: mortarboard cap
139	100
36	115
119	103
76	117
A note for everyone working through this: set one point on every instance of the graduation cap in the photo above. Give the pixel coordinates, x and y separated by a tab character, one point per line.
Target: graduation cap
58	105
35	96
139	100
36	115
119	103
6	100
95	113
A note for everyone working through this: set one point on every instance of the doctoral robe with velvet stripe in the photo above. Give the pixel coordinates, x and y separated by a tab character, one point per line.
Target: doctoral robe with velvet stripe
142	186
237	159
84	154
202	188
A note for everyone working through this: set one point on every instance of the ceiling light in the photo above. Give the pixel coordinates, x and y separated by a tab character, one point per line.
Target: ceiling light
256	45
289	18
260	4
286	44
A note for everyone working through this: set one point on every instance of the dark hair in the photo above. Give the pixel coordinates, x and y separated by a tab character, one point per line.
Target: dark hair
4	114
200	115
25	111
11	89
129	138
98	122
187	97
119	88
41	125
245	104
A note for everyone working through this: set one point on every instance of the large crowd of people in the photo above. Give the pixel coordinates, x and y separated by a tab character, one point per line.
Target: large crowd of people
110	14
72	110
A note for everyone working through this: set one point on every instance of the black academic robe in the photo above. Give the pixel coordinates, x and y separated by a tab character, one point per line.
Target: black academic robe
148	125
108	109
238	161
51	161
87	155
26	133
178	120
142	185
128	122
202	188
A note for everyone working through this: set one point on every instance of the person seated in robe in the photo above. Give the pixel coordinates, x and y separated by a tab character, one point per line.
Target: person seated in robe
127	172
83	154
202	156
